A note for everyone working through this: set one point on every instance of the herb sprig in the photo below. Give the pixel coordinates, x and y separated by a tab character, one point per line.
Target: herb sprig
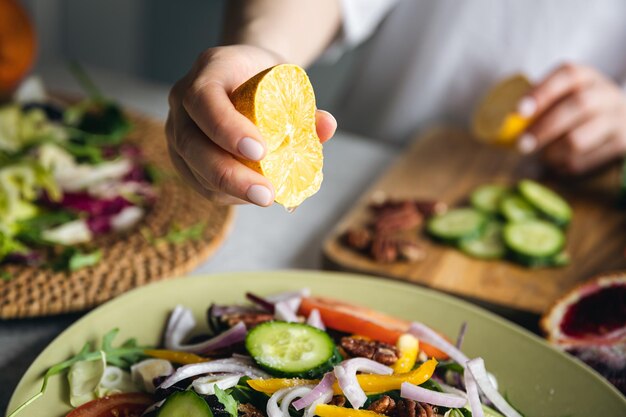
123	356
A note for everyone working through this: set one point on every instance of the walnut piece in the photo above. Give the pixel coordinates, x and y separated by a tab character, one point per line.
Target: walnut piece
249	319
384	405
406	408
359	239
384	249
338	400
378	351
248	410
397	218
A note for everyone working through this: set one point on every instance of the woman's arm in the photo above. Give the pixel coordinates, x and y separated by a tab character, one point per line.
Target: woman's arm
204	130
297	30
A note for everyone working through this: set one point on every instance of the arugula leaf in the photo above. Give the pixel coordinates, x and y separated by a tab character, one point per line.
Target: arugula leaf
5	276
227	400
431	385
82	260
72	259
128	353
175	234
246	395
450	366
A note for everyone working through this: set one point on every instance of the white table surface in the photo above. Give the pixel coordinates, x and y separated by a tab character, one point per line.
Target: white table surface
261	239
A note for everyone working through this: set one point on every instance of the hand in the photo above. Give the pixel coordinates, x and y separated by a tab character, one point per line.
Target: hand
580	119
205	132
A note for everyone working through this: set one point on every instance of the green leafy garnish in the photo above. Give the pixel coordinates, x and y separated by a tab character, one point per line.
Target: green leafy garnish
5	276
176	234
227	400
246	395
123	356
72	259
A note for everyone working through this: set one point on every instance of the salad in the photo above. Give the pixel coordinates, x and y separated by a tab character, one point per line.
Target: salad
66	177
284	355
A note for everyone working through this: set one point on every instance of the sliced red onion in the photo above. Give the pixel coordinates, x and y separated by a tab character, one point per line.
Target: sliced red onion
261	302
459	338
283	311
227	366
477	368
273	409
205	385
315	319
428	335
181	322
297	392
153	407
473	396
324	387
346	376
443	399
324	399
216	310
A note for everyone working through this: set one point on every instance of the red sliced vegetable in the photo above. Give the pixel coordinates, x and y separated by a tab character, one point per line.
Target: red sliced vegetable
315	319
461	336
324	388
428	335
346	377
283	311
443	399
261	302
473	395
181	323
222	366
127	405
477	368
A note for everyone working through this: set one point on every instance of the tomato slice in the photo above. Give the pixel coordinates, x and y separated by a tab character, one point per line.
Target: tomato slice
362	321
118	405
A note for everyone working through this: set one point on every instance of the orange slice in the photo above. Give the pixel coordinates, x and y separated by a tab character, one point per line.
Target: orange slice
17	45
281	103
496	120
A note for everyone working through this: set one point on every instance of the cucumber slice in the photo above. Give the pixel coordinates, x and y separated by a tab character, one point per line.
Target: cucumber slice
558	260
185	404
292	349
488	246
457	224
546	201
533	240
515	209
487	198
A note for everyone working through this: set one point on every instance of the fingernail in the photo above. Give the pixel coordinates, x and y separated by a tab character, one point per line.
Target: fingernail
526	143
251	149
260	195
328	114
527	106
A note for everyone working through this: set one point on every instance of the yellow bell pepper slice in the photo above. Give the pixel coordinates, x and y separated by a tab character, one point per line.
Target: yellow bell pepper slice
408	347
380	383
183	358
368	382
271	385
326	410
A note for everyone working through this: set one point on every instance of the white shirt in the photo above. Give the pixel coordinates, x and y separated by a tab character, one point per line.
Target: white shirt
431	60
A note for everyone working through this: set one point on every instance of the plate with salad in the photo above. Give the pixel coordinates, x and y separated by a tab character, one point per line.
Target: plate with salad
294	344
89	204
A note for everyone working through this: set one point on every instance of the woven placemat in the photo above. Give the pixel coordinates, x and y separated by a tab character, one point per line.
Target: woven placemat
130	259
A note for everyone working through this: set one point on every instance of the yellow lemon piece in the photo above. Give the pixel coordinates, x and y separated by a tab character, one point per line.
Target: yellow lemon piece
496	120
281	103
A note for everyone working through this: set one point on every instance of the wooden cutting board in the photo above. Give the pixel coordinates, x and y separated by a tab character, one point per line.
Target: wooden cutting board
446	164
